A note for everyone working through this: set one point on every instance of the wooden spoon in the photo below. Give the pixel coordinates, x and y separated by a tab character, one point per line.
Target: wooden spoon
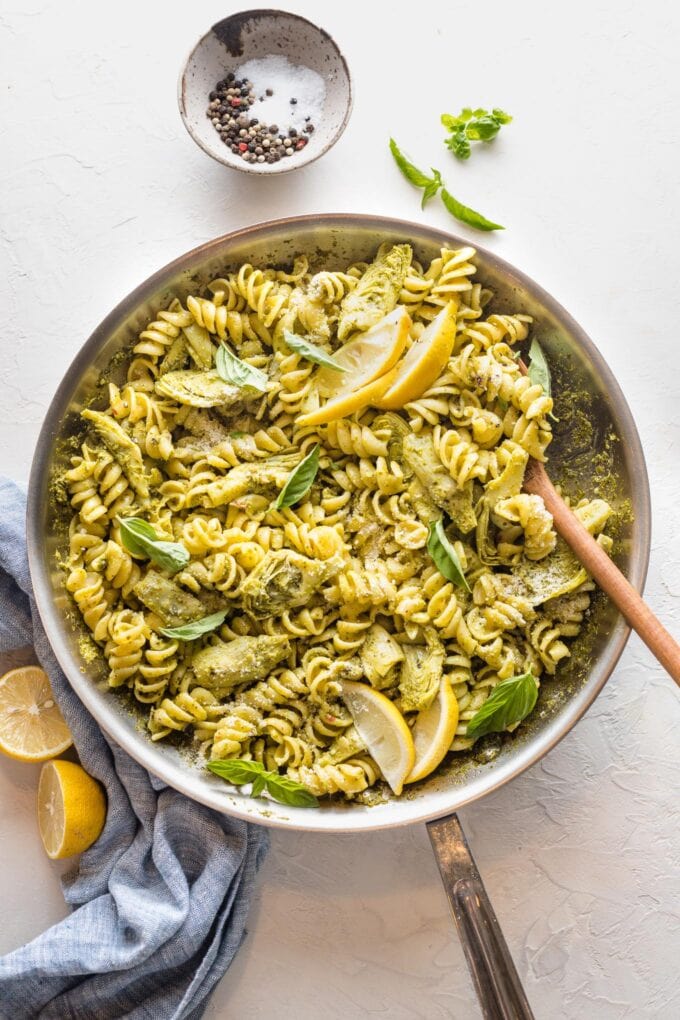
638	614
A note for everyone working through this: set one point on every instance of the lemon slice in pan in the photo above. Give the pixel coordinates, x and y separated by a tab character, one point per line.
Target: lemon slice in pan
383	729
347	403
369	356
433	732
424	361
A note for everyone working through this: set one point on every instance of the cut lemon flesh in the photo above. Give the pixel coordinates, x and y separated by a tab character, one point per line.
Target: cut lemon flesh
31	726
347	403
424	361
367	357
71	809
383	729
433	731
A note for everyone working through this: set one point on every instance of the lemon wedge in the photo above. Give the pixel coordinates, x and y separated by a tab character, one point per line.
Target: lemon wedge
433	732
71	809
31	726
425	360
347	403
369	356
383	729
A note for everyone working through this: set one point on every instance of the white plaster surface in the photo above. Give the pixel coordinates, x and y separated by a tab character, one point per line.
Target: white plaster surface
101	186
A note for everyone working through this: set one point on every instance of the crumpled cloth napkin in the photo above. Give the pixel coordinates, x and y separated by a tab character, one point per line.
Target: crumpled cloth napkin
160	901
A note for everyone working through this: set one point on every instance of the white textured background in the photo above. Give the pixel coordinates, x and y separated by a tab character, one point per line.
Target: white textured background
101	186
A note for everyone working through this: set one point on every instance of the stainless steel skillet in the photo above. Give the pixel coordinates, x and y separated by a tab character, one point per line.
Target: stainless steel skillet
596	445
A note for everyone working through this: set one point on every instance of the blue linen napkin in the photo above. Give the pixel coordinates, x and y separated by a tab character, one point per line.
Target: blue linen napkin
160	901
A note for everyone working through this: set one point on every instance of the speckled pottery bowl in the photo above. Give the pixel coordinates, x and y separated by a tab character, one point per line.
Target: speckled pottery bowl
596	445
253	35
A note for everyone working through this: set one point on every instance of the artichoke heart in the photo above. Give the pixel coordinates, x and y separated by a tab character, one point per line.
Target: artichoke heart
377	292
173	604
556	574
379	654
508	483
200	345
421	673
345	746
265	477
421	456
285	579
123	448
200	389
394	428
229	664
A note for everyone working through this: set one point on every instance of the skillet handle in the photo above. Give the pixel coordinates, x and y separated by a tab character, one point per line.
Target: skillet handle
496	981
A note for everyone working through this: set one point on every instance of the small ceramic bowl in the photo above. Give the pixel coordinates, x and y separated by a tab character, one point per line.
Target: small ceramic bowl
254	35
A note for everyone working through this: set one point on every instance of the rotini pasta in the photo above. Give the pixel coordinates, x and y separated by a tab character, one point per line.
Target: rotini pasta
339	586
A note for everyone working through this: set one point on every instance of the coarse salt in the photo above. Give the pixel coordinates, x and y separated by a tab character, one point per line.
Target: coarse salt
286	81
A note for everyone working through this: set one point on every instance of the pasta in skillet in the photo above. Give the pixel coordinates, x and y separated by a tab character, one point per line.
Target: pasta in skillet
338	585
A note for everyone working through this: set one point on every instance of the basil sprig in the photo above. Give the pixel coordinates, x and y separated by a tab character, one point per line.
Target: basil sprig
413	175
467	215
539	373
472	126
445	557
431	186
310	351
141	539
509	703
195	629
240	771
239	373
300	480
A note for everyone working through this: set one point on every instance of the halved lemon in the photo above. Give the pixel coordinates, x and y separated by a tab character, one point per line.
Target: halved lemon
383	729
424	361
347	403
71	809
31	726
371	355
433	732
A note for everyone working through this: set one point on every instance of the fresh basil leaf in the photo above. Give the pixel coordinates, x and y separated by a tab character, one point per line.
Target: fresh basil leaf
472	126
414	175
239	373
509	703
444	555
449	122
240	771
310	351
467	215
135	532
300	480
237	770
141	539
458	144
259	785
503	118
195	629
483	129
287	791
538	372
432	188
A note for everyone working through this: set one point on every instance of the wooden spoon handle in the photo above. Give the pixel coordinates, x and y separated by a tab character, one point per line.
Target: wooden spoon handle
604	571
